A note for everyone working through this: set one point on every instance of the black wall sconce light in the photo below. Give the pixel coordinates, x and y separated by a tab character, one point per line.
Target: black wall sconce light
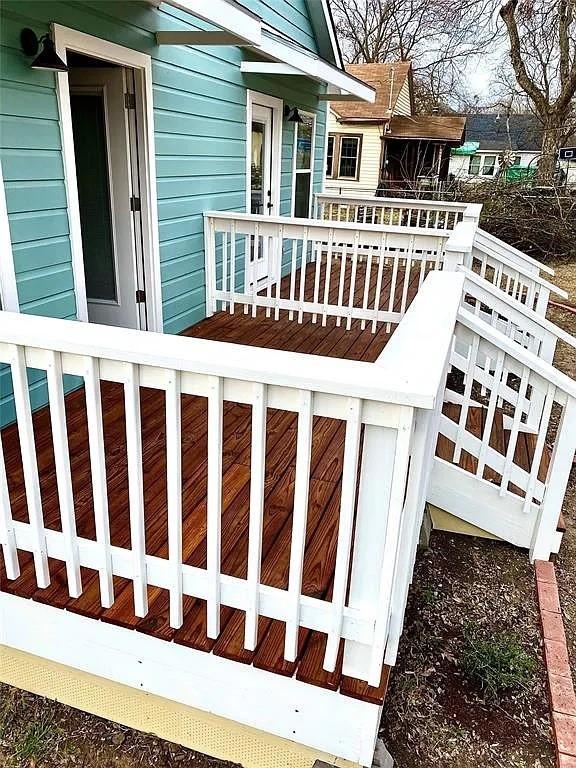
47	59
292	115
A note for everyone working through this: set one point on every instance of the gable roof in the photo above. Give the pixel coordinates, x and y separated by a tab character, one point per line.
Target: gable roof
435	127
387	79
493	131
324	28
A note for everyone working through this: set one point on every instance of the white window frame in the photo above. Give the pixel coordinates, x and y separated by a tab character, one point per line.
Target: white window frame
79	42
277	107
8	288
482	157
310	170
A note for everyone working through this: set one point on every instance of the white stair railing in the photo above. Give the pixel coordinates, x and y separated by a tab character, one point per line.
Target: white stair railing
517	278
512	487
421	214
487	240
512	317
386	402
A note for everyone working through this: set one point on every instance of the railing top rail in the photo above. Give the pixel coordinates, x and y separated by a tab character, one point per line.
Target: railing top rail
517	351
328	375
286	221
399	202
524	271
419	347
518	306
487	237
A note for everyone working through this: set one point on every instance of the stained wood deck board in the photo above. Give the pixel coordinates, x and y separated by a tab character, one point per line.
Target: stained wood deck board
331	339
325	490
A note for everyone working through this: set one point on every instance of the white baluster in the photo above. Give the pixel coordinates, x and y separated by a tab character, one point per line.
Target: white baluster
345	526
136	488
257	475
174	494
214	506
7	536
299	518
29	464
91	375
63	472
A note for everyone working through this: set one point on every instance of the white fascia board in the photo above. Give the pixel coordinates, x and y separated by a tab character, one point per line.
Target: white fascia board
314	67
228	16
323	26
268	68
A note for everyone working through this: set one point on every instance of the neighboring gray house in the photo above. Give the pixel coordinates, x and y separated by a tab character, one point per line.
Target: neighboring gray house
489	138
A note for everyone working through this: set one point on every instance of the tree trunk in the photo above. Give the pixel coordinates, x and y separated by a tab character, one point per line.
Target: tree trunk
549	155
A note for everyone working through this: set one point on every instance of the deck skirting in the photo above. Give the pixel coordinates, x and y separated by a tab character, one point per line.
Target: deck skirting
228	710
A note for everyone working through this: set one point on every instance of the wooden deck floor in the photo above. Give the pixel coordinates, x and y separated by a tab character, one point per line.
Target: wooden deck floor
322	528
321	536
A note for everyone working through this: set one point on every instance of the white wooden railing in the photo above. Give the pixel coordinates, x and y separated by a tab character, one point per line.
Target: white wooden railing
394	403
323	269
519	278
392	211
511	270
512	317
510	489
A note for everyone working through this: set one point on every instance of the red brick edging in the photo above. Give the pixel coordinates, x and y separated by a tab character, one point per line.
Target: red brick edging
560	686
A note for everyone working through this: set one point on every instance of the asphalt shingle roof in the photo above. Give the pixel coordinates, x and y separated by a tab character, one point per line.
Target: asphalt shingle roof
517	132
379	76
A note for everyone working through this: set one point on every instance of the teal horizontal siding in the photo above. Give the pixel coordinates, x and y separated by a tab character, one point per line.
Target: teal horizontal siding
287	16
199	101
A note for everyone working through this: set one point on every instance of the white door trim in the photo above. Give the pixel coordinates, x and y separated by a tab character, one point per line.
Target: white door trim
8	289
64	39
277	106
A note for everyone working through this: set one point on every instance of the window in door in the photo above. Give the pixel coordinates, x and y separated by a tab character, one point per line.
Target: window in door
303	166
92	174
257	167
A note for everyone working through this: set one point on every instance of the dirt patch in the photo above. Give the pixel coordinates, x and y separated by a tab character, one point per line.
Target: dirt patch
434	716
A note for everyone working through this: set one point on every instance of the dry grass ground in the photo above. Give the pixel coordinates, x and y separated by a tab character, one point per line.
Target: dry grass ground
434	717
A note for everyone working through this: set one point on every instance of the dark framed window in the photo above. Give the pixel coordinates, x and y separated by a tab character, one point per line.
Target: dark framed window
349	158
343	155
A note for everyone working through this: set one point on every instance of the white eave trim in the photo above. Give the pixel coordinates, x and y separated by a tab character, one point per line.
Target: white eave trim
232	18
314	67
226	15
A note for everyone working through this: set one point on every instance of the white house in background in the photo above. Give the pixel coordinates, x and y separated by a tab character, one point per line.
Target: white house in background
383	145
489	138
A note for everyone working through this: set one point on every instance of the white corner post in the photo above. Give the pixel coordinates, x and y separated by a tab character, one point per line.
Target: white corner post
8	288
210	264
472	213
560	467
376	470
458	248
